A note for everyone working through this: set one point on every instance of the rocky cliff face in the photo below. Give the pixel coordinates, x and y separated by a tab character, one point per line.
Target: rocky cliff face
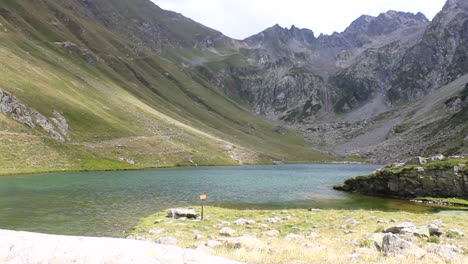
444	178
349	91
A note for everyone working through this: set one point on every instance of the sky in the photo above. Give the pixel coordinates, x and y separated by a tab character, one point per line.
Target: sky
242	18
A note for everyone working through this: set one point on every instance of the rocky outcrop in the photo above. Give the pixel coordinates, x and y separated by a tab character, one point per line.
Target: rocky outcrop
10	106
33	248
445	178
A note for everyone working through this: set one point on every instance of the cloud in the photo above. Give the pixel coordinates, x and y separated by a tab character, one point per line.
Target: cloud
243	18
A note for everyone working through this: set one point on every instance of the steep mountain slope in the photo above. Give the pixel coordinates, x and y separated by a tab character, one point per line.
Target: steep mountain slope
335	87
84	86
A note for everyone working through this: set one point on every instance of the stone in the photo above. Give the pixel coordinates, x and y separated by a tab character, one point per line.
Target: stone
394	246
394	220
422	232
402	228
416	161
437	222
226	231
263	225
381	221
178	213
251	222
198	236
247	242
434	230
437	157
273	220
213	243
286	218
240	221
313	235
156	231
352	221
377	238
167	241
349	232
446	252
292	236
271	233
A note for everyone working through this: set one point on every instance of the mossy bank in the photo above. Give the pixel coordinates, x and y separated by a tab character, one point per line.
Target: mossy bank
436	177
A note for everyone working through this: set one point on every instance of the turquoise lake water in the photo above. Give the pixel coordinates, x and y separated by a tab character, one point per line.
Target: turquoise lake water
110	203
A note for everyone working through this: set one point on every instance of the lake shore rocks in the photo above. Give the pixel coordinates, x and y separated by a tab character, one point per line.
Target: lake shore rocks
420	177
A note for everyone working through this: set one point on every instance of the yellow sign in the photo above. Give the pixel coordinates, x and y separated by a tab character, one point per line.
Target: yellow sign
203	197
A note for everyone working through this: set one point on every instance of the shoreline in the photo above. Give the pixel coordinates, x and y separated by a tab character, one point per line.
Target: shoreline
187	166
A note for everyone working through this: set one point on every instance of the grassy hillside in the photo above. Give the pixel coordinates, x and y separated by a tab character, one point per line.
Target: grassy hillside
127	107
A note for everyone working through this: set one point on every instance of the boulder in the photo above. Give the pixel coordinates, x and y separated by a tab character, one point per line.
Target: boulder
434	230
416	161
178	213
437	157
33	248
394	246
402	228
226	231
446	252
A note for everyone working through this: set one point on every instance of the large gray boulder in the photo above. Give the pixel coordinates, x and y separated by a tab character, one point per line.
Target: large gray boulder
179	213
33	248
394	246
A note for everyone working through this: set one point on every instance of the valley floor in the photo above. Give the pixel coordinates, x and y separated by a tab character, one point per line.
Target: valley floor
308	236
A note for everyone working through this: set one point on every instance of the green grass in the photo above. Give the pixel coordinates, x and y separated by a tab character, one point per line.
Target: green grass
110	93
456	201
258	247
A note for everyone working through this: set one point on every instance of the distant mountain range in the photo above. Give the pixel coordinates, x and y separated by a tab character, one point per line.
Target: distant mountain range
115	84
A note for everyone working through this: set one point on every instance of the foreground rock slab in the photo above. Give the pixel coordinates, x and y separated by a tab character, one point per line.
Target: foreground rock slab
32	248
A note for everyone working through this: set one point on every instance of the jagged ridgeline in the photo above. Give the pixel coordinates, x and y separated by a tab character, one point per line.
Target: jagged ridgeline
97	85
120	84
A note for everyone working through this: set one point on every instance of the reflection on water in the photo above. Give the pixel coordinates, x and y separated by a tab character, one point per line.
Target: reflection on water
108	203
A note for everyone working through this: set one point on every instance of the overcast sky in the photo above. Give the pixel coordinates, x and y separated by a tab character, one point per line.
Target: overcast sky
242	18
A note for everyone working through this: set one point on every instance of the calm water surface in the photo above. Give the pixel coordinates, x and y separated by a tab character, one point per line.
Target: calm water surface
110	203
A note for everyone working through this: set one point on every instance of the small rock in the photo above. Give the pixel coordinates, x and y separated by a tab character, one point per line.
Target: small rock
156	231
240	221
226	231
167	241
271	233
198	236
263	225
401	228
381	221
372	217
394	220
157	221
343	227
437	157
315	226
422	232
313	235
251	222
434	230
292	236
352	221
315	210
350	232
286	218
273	220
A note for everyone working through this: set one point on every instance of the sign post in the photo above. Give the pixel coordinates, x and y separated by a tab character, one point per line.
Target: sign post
202	198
